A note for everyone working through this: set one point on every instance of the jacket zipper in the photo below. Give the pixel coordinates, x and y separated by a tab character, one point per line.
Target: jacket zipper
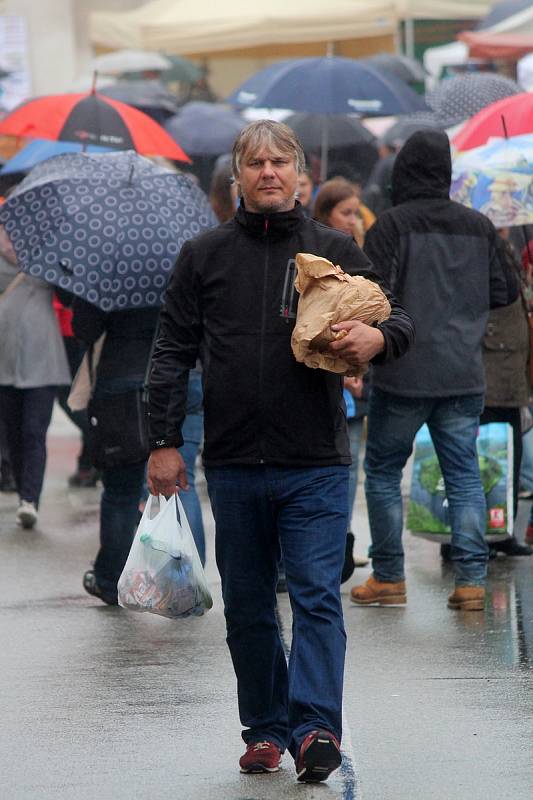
262	347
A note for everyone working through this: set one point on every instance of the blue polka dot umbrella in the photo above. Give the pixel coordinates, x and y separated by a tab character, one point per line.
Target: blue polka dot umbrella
106	227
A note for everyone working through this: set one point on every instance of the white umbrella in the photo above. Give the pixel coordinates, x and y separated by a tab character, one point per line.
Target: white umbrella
130	61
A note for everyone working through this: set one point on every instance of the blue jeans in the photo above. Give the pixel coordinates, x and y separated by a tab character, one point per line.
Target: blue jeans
393	422
193	434
119	516
257	509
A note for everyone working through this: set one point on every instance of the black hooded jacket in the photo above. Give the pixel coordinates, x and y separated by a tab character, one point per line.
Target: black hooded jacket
440	260
232	298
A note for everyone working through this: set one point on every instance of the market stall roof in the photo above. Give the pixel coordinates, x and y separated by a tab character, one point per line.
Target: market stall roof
441	9
510	46
189	26
502	11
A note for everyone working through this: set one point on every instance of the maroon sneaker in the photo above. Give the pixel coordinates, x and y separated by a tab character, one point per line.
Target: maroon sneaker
529	535
260	757
319	755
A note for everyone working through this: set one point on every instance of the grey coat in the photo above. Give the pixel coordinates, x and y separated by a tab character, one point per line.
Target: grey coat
32	353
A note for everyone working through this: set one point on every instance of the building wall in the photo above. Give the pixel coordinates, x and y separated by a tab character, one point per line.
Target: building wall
59	51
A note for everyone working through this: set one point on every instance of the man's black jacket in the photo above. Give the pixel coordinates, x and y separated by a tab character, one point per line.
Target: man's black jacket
441	261
232	299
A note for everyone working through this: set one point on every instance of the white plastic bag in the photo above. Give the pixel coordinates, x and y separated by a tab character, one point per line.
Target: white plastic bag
163	573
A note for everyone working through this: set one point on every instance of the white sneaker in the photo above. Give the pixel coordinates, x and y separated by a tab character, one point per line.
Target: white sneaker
26	514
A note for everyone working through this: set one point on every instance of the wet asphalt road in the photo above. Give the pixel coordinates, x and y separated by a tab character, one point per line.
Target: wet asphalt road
97	702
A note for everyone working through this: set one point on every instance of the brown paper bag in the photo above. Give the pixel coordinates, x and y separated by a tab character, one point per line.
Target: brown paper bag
328	296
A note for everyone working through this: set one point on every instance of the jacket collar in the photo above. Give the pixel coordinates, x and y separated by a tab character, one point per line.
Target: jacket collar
273	225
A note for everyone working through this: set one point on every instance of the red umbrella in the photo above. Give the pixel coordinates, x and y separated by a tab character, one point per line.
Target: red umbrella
91	118
512	116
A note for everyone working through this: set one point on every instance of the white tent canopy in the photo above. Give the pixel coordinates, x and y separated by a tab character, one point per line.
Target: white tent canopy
442	9
195	26
191	26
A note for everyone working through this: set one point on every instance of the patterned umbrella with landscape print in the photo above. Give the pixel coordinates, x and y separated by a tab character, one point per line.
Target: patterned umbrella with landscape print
497	180
106	227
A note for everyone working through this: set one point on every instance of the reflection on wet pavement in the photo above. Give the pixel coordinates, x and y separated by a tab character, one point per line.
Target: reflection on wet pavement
111	704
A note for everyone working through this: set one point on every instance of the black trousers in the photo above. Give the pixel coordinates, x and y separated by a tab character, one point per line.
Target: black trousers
512	417
26	415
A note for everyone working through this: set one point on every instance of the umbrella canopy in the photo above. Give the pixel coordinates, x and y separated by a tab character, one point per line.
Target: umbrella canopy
512	115
462	96
501	11
406	69
91	119
497	180
143	94
106	227
328	85
205	129
124	61
342	130
41	149
403	128
181	70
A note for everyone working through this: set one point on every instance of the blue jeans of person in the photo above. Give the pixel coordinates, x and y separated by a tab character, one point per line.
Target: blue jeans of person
193	434
119	516
258	510
355	430
26	415
393	422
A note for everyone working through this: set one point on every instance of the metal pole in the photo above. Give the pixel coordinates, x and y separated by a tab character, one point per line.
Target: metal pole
409	38
324	149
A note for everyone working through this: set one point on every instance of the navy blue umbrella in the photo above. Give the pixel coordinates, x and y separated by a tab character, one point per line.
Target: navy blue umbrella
328	85
205	129
106	227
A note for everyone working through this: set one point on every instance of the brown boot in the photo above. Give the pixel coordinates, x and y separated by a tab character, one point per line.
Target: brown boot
467	598
374	592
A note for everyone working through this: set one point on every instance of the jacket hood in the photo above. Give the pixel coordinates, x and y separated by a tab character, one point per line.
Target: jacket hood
423	167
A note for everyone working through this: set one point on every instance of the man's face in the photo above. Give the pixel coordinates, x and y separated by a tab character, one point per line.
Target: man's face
268	180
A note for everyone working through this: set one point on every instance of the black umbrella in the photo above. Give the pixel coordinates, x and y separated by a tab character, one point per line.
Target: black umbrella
150	96
405	68
342	130
395	136
205	129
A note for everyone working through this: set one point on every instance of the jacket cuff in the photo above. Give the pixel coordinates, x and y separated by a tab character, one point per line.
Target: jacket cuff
166	441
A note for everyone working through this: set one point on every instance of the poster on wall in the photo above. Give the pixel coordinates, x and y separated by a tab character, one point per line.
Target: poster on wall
428	513
15	85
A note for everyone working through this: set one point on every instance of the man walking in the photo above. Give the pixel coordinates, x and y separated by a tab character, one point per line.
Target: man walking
440	259
276	449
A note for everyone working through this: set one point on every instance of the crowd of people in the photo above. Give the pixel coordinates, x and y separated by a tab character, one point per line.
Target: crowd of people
281	443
